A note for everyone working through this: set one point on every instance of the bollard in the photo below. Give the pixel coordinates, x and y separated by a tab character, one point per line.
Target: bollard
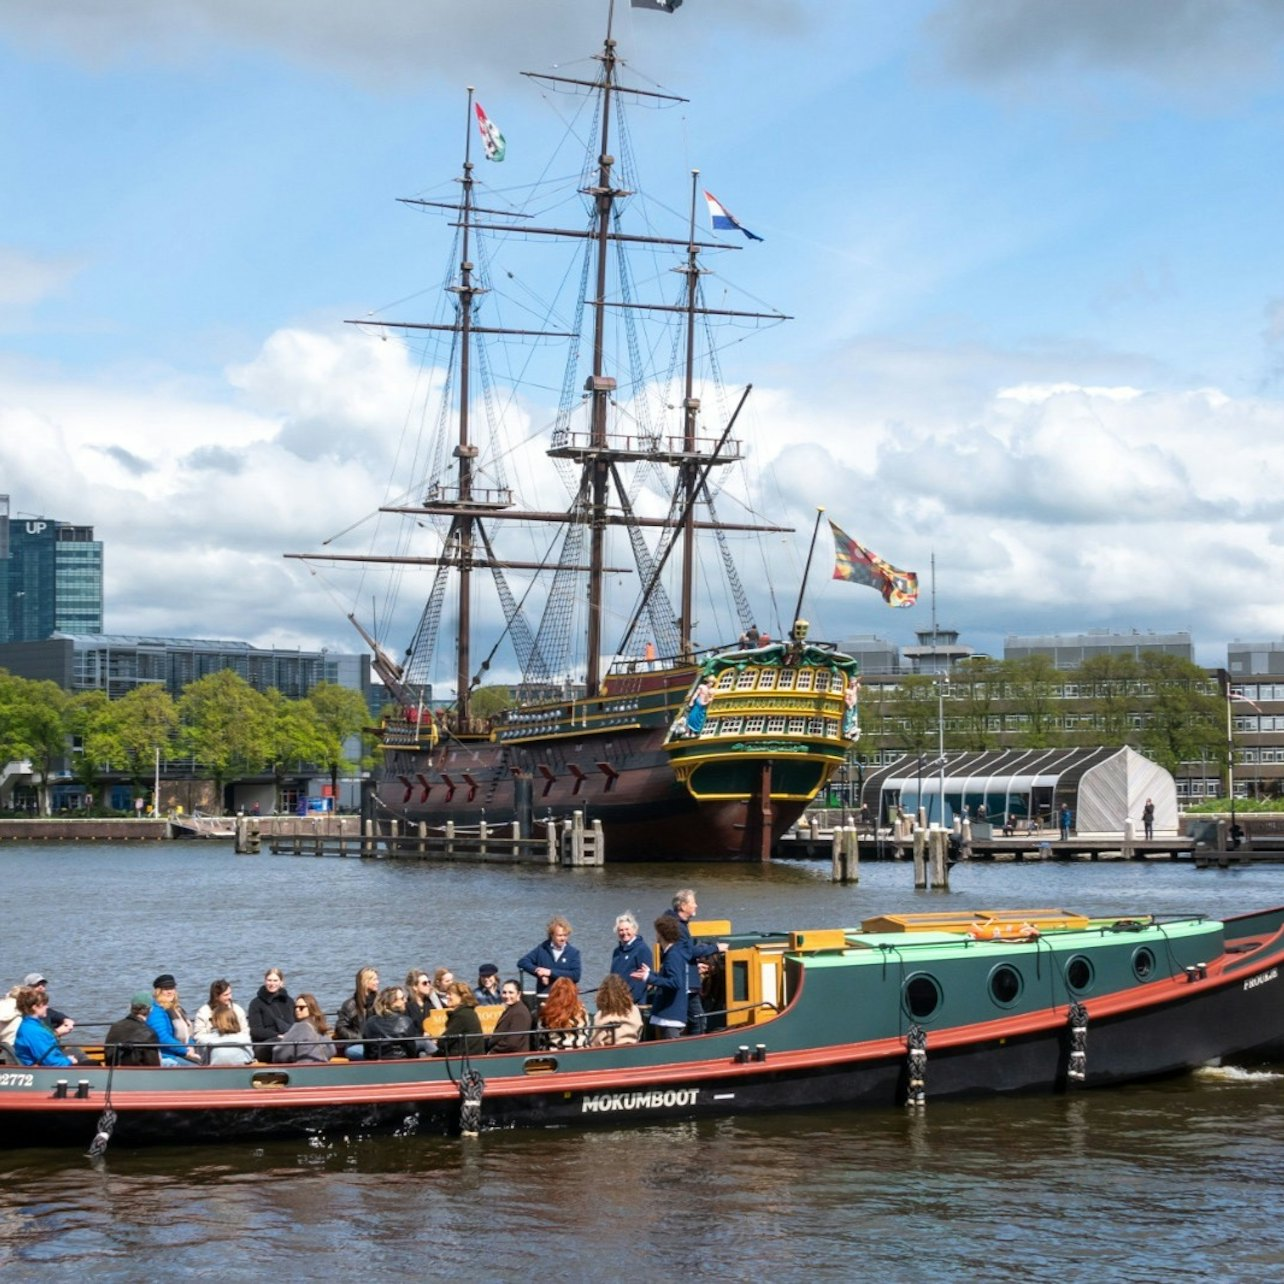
1128	848
920	857
939	845
450	838
837	872
483	833
851	853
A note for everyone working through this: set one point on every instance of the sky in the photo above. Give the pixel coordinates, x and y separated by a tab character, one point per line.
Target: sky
1031	252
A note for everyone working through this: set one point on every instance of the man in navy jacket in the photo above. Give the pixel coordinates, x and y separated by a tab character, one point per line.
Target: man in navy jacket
684	909
552	958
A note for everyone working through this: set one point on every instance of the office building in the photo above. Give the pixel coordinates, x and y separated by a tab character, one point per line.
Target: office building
51	577
1070	650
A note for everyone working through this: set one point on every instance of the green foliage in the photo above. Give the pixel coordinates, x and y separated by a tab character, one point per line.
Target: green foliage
226	725
339	713
221	722
486	702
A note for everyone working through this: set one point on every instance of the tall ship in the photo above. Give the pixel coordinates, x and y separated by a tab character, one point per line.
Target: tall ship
683	749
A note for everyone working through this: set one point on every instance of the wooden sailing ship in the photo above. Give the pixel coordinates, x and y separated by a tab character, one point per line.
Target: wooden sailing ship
681	751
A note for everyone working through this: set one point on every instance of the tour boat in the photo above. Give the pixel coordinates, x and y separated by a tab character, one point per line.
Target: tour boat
904	1011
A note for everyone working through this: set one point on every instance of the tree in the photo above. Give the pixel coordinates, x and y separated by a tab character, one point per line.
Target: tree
975	686
226	725
1186	717
147	721
92	720
486	702
295	738
35	726
340	714
1032	679
910	715
1111	684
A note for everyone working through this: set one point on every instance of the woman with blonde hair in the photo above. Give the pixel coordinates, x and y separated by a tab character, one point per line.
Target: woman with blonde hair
170	1022
355	1012
563	1017
618	1019
389	1034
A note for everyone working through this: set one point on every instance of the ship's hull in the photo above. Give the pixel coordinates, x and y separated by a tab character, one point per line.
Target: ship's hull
672	773
843	1038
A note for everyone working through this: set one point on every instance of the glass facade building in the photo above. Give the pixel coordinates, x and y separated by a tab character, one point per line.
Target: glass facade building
51	578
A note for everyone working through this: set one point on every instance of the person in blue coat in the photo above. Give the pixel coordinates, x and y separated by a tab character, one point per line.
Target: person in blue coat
630	953
668	986
682	912
170	1022
552	958
35	1043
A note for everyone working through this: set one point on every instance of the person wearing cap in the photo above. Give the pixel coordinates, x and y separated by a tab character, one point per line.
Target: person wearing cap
131	1041
173	1029
59	1022
35	1044
487	987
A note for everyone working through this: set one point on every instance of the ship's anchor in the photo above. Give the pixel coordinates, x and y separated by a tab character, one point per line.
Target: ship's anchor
471	1088
916	1066
1077	1069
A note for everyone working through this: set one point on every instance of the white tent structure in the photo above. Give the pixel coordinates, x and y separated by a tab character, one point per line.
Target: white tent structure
1104	787
1119	788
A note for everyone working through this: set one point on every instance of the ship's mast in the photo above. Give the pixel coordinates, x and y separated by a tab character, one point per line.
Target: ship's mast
690	410
465	452
599	385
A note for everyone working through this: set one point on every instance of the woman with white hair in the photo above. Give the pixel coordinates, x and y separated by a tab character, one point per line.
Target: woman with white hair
630	953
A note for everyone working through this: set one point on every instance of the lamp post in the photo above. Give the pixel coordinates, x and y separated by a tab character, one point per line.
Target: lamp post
941	683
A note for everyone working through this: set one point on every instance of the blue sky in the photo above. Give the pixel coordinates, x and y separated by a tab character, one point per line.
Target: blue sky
1032	252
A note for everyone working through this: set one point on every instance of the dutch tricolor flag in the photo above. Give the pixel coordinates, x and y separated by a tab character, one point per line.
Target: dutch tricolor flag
724	220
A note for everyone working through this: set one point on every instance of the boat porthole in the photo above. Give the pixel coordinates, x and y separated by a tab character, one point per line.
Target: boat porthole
1079	974
1143	963
1005	985
921	996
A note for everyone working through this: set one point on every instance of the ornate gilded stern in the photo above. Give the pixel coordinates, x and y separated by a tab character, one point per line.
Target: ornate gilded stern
792	705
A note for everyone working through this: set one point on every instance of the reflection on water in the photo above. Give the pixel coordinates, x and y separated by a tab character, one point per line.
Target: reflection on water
1171	1181
1175	1181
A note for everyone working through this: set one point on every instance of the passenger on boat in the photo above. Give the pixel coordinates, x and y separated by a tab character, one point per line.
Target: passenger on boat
59	1022
131	1041
630	951
563	1018
170	1022
354	1013
220	997
11	1018
308	1039
486	990
682	912
35	1044
389	1035
512	1030
618	1020
462	1034
418	996
228	1041
442	979
750	638
552	958
271	1013
669	1005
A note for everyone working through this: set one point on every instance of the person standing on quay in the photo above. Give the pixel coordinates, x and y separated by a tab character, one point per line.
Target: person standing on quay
1148	818
1065	822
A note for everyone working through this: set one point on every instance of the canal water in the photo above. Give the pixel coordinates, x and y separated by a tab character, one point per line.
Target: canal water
1179	1180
